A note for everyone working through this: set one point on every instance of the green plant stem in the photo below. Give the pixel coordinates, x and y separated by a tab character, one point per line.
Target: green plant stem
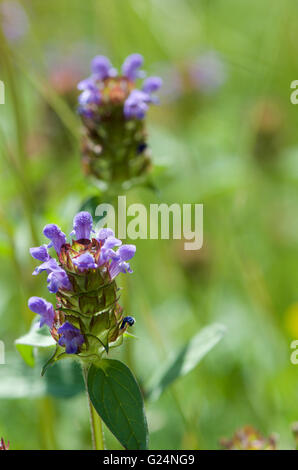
46	420
126	304
95	421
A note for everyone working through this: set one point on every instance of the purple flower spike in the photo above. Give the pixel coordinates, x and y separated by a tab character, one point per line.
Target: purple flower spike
136	105
102	68
71	338
40	253
44	309
152	84
131	65
55	234
82	225
84	262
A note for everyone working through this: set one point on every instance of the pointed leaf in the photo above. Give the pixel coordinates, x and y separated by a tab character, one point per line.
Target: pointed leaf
17	380
117	399
36	337
186	360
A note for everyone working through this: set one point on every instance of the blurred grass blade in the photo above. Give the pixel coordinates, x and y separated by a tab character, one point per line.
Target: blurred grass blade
35	338
186	360
116	396
67	116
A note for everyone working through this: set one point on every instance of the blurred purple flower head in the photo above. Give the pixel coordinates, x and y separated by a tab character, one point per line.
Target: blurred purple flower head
131	65
104	89
44	309
152	84
208	72
102	68
14	20
71	338
136	105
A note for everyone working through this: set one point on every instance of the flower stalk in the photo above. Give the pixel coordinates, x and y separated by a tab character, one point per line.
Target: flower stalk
96	426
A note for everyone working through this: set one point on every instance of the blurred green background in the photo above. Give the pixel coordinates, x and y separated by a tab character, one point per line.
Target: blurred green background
225	135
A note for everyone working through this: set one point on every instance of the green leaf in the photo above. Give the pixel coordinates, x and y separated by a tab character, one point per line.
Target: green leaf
17	380
117	399
186	360
35	338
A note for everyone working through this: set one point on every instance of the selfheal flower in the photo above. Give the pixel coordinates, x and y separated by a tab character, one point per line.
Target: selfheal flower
131	65
55	234
106	99
58	279
107	252
119	263
86	84
40	253
44	309
84	262
91	93
82	225
102	68
104	233
48	266
152	84
136	105
90	96
71	338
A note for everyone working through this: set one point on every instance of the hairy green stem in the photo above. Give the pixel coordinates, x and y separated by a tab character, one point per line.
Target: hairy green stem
95	421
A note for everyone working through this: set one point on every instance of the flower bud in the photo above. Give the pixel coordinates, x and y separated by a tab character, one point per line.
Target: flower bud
112	109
